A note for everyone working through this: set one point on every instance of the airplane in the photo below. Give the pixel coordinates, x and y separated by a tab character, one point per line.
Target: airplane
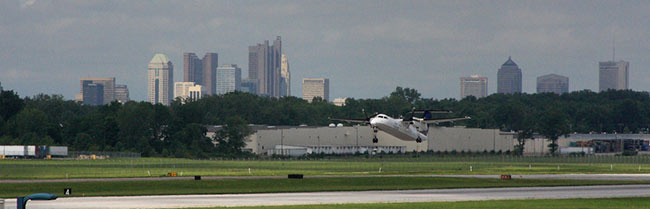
411	129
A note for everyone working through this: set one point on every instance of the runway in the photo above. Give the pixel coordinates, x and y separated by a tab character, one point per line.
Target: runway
430	195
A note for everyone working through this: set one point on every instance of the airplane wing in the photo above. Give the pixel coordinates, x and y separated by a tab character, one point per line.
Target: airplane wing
349	120
442	120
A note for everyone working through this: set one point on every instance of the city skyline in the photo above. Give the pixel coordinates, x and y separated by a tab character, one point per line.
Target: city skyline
441	42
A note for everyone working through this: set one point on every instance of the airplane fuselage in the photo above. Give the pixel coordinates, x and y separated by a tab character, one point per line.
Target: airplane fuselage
397	128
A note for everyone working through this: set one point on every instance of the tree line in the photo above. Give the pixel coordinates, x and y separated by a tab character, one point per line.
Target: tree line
178	130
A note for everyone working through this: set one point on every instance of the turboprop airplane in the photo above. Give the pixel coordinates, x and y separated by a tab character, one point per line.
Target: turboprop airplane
411	129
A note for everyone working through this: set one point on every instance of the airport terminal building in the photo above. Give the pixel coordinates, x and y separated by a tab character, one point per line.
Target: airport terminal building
299	140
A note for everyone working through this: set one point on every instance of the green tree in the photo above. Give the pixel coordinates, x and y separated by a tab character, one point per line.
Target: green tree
553	124
10	104
230	139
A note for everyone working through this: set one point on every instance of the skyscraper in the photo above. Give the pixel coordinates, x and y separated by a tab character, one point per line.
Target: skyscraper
93	94
201	71
122	93
473	86
315	87
553	83
192	68
210	64
509	78
264	66
285	81
107	84
160	80
228	78
613	75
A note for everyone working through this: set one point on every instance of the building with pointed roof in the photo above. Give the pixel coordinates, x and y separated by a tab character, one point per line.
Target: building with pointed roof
509	78
160	80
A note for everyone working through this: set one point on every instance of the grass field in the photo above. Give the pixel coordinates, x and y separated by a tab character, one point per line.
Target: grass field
234	186
604	203
143	167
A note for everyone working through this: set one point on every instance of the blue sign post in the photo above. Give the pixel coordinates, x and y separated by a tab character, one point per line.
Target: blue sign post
22	201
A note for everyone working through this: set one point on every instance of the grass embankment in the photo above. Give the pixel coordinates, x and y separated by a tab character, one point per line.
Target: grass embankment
233	186
604	203
143	167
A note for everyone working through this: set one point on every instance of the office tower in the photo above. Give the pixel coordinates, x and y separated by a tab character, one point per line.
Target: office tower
192	68
160	80
249	86
315	87
93	94
182	90
509	78
201	71
285	81
108	86
210	64
122	93
195	92
264	66
553	83
228	78
473	86
613	75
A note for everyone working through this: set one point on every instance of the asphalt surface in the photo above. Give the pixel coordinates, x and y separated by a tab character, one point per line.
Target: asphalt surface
640	177
431	195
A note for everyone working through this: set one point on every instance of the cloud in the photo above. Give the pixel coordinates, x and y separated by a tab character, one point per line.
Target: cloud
26	3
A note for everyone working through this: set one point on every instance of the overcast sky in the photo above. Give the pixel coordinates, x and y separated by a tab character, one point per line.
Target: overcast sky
365	48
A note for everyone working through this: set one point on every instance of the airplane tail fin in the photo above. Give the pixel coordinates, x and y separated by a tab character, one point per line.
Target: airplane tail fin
427	115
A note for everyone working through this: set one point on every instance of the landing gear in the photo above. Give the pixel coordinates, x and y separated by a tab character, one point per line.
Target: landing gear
374	138
418	140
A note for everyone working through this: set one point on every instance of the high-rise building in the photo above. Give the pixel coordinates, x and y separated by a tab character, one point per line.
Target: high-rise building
195	92
285	81
160	80
108	86
613	75
201	71
228	78
210	64
122	93
249	86
473	86
315	87
192	68
553	83
93	94
509	78
264	66
182	90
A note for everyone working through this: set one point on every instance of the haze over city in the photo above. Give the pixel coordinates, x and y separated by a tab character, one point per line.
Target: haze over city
365	48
